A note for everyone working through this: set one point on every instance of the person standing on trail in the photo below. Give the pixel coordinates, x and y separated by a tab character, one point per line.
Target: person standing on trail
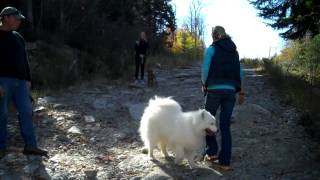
141	47
15	82
221	76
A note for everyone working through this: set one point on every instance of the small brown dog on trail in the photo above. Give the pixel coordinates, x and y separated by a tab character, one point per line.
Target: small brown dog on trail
152	80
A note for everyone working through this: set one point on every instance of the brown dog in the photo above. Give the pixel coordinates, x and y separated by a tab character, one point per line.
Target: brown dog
152	80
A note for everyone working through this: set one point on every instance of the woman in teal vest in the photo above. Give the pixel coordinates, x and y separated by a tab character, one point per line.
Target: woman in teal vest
222	78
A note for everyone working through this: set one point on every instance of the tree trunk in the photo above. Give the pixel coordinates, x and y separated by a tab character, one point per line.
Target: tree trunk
62	16
39	23
196	22
30	13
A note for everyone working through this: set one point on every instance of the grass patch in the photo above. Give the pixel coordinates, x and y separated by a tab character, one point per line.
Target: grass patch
301	94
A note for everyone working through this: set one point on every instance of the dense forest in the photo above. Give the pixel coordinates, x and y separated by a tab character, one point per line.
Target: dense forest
103	33
88	24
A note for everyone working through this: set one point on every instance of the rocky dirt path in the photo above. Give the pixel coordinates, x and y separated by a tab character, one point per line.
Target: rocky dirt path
91	133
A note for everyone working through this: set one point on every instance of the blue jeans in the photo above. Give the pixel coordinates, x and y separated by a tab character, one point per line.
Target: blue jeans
17	91
225	99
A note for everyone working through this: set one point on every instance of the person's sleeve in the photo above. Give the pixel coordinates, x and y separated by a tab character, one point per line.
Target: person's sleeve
147	47
28	71
26	61
206	64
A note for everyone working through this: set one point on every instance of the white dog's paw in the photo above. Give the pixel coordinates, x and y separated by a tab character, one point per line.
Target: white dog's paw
193	165
151	156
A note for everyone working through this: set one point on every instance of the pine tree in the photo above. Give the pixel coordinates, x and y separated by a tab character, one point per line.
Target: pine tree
298	17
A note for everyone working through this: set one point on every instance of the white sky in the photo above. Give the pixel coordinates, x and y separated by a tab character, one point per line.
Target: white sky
252	37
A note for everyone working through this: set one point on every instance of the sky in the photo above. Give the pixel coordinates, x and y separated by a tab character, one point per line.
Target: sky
252	36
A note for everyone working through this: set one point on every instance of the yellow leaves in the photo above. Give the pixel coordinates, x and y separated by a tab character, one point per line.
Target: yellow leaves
186	43
302	57
289	53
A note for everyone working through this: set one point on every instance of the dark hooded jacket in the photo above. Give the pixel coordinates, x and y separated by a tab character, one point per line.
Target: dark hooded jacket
225	65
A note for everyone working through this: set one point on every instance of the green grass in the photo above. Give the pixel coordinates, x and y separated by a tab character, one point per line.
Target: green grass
301	94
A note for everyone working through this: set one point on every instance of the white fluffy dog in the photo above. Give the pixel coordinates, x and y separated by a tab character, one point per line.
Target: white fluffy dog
163	123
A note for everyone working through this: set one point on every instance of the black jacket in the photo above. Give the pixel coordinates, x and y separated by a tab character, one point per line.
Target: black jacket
13	56
225	65
141	47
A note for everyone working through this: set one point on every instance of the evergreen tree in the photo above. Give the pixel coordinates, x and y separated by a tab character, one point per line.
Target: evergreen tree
298	17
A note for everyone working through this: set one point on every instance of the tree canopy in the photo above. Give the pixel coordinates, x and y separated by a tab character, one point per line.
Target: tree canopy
298	17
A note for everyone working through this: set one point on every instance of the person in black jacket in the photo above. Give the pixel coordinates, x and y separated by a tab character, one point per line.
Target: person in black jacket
141	47
15	82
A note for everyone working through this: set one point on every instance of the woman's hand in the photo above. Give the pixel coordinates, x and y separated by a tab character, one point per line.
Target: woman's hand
241	98
29	84
204	89
1	91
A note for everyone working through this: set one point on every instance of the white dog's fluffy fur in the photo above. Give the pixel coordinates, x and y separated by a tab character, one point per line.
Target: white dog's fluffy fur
163	123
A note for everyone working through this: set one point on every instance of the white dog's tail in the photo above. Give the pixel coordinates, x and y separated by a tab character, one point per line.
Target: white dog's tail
167	103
